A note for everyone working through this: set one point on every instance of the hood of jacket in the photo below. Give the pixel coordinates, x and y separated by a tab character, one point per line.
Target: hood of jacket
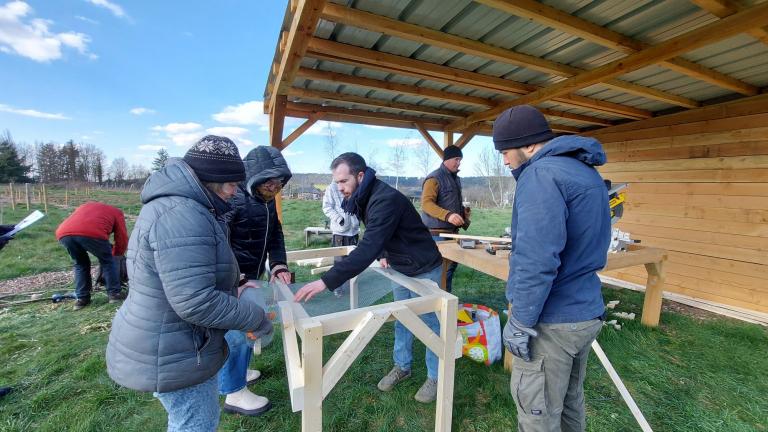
584	149
176	178
262	164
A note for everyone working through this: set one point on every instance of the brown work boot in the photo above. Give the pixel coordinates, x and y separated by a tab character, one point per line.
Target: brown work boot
393	378
116	297
81	303
428	391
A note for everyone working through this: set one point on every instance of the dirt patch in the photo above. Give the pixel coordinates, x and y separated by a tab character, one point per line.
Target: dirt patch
38	282
689	311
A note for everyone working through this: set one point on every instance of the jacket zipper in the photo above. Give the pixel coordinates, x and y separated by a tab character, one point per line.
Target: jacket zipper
266	236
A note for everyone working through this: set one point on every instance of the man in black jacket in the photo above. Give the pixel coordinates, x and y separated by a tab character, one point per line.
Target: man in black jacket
394	234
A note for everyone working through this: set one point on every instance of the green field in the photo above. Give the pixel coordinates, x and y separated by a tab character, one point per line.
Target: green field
696	372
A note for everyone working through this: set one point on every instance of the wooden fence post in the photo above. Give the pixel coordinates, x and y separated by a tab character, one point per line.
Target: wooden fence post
66	197
44	193
13	198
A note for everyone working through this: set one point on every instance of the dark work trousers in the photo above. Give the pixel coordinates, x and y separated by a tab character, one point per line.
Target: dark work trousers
78	248
342	240
549	389
451	268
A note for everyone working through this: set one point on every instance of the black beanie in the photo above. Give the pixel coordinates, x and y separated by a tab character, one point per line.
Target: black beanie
520	126
216	159
451	152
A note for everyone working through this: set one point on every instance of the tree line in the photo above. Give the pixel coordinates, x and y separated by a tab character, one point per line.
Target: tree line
69	162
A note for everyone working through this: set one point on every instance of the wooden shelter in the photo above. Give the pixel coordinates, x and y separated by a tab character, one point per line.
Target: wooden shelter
674	89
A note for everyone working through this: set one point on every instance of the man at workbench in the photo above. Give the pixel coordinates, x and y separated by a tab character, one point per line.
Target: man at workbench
442	209
396	236
561	227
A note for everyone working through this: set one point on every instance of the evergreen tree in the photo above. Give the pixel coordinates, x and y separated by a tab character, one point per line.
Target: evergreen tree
160	160
12	168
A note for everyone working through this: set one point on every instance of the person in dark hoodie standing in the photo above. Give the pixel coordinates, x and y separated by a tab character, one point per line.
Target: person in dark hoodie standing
442	208
561	228
395	234
257	238
168	336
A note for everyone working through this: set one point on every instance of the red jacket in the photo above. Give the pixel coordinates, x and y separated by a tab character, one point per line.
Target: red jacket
96	220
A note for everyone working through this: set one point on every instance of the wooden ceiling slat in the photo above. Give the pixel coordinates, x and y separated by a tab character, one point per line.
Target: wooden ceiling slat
724	8
749	18
353	17
555	18
349	54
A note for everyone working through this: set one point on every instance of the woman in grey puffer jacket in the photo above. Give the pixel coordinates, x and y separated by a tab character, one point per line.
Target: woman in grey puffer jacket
168	336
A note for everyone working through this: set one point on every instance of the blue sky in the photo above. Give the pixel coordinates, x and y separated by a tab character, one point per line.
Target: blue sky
132	77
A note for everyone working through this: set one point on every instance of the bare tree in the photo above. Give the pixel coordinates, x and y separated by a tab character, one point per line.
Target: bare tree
425	158
397	161
118	170
97	166
138	172
331	142
372	160
499	182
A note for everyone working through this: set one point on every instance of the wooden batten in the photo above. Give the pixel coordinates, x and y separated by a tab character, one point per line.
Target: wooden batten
698	187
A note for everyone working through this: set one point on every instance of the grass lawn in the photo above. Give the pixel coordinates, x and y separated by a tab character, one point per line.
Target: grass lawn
696	372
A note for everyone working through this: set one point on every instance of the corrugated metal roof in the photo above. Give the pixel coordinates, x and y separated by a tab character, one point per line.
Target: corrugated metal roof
650	21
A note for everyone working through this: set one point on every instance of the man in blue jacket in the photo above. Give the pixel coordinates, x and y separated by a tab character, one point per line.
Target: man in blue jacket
395	235
560	234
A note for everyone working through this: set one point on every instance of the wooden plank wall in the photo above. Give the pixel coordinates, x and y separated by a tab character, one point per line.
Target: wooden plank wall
699	188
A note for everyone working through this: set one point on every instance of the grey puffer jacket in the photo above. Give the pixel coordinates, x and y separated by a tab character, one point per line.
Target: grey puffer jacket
169	332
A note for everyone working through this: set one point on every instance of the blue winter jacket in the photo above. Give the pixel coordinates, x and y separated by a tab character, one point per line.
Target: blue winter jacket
561	227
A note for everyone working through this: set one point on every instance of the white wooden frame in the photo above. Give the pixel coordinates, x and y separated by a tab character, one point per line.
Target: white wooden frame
309	381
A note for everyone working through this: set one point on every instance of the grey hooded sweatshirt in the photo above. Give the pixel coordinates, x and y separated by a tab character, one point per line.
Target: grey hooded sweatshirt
169	332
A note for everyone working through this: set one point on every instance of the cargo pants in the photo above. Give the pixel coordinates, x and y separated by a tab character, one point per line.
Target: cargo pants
549	390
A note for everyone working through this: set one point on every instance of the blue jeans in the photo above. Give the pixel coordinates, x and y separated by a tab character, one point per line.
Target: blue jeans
232	376
78	248
403	352
450	270
192	409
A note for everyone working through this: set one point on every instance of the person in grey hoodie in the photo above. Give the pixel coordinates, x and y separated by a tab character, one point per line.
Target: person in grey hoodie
168	336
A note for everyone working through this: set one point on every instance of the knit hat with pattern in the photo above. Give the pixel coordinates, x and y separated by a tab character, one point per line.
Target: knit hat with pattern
216	159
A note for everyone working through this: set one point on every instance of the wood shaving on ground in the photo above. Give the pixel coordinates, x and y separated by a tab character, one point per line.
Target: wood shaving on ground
625	315
36	282
96	327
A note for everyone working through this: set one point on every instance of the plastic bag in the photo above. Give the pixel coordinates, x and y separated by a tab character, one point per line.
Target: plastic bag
260	297
480	330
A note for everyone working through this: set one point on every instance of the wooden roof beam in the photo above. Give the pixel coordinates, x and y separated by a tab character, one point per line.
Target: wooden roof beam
753	17
368	21
334	77
466	137
303	24
555	18
349	54
428	138
313	118
724	8
327	110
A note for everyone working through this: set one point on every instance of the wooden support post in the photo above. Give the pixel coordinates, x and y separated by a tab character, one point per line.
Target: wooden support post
313	118
276	123
428	138
312	368
446	365
66	197
466	137
447	138
44	192
26	193
13	197
653	292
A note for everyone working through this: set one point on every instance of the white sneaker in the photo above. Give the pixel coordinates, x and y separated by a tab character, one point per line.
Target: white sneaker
251	376
246	403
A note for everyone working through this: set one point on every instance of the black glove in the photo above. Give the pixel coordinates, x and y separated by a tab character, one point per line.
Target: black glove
516	337
5	228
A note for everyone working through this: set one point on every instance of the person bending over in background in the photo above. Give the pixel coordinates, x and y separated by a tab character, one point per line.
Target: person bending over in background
257	238
168	336
88	230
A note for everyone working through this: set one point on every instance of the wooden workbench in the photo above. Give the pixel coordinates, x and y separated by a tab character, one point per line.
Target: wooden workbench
498	266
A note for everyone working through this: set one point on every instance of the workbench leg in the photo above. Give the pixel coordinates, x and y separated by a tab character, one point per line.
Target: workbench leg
312	367
444	276
446	365
653	292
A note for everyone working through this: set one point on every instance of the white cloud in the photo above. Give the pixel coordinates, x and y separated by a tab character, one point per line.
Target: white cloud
86	19
175	128
289	153
321	128
151	147
406	142
182	134
32	113
186	139
248	113
115	8
141	111
33	39
228	131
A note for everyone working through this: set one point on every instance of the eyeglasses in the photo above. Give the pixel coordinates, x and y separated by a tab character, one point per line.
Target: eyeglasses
273	183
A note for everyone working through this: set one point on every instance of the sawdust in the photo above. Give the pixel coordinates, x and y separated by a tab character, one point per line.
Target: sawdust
36	282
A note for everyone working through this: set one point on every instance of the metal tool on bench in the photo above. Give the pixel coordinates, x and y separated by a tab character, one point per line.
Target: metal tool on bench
467	243
616	199
492	248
